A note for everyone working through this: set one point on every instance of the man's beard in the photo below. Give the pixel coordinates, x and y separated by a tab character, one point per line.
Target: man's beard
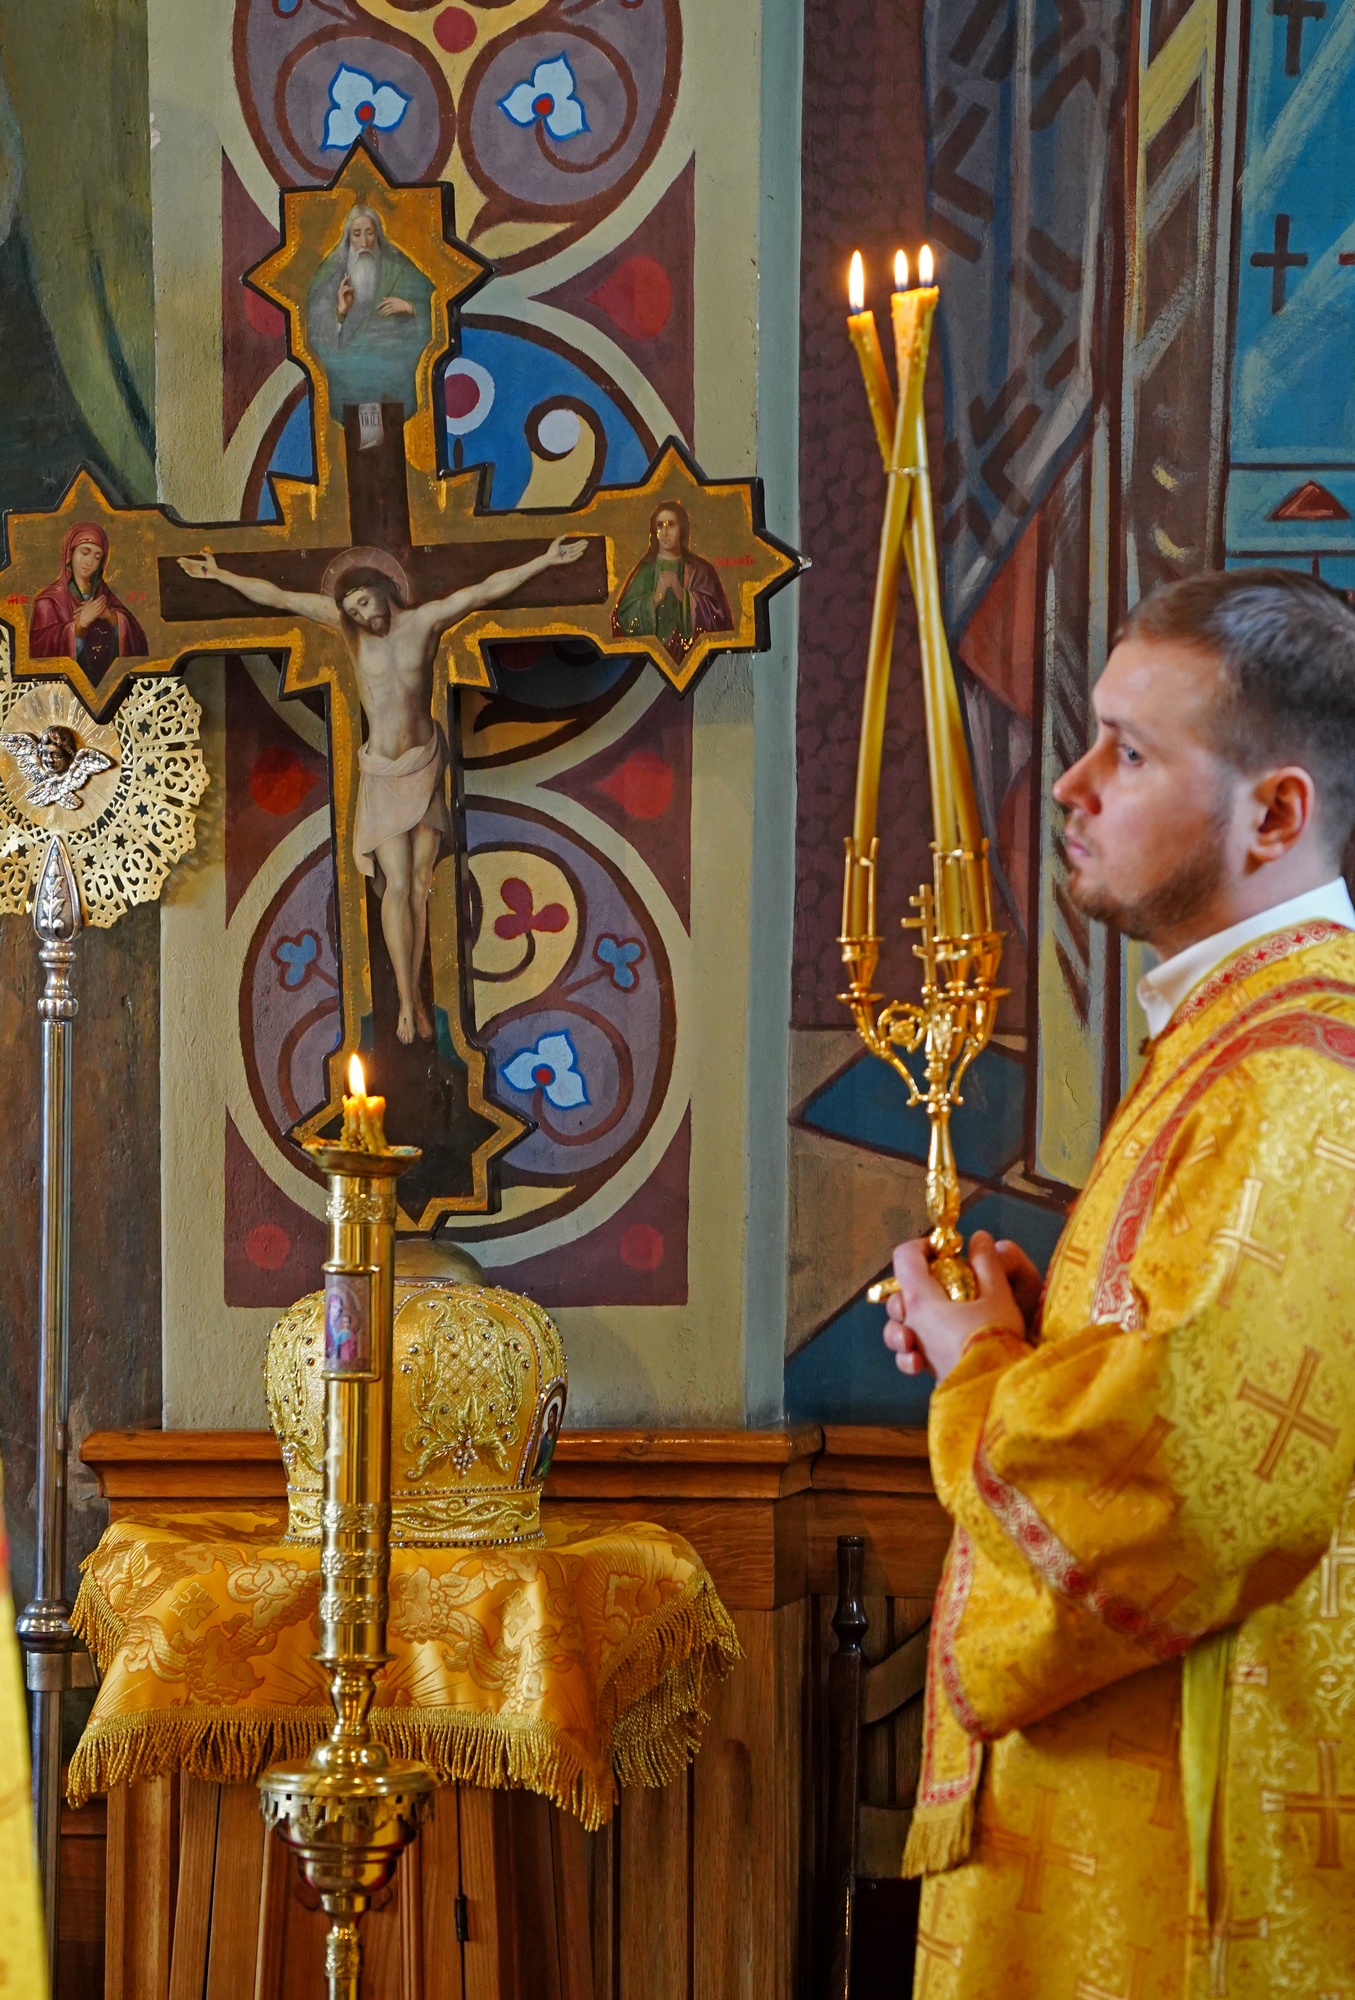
1174	901
378	623
364	271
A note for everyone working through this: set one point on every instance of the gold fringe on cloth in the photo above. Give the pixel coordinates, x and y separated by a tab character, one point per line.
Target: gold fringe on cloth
638	1723
939	1837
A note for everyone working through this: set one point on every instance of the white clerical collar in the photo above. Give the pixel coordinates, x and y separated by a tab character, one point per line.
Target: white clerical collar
1162	990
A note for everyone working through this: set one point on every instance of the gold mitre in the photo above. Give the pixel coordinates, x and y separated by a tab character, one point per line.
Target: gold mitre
478	1395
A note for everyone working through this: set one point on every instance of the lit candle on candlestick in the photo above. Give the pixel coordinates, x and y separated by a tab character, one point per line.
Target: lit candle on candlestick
866	341
363	1116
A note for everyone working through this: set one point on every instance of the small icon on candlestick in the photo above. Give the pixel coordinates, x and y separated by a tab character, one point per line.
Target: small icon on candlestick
926	267
856	283
900	270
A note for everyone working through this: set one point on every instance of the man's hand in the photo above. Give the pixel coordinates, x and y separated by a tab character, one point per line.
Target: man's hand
87	613
203	567
346	297
925	1329
561	551
668	580
393	308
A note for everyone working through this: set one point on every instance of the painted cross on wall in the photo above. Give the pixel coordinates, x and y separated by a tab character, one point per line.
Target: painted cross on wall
383	584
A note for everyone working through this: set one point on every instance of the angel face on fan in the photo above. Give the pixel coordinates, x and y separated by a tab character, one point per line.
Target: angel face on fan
54	765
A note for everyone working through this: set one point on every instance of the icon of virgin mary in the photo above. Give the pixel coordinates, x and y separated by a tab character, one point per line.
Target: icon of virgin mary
80	617
672	594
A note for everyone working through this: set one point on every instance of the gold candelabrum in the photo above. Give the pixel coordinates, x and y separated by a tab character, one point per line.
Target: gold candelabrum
351	1808
959	948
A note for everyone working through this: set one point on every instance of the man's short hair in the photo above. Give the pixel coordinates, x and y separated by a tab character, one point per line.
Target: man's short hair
1286	643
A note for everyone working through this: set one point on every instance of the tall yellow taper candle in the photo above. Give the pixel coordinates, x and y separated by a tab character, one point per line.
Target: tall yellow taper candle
858	899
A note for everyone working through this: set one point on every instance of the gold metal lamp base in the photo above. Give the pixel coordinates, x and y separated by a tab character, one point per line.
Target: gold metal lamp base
348	1829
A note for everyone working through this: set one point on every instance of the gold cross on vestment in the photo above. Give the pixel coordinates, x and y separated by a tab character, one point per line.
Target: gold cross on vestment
383	584
931	1947
1291	1415
1343	1157
1240	1243
1132	1466
1339	1558
1038	1852
1167	1764
1220	1936
1140	1957
1328	1804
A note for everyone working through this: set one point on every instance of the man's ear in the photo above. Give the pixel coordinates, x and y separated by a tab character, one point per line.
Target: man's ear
1286	808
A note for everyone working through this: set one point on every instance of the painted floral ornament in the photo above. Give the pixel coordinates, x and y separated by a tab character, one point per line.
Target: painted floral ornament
550	1067
360	104
548	97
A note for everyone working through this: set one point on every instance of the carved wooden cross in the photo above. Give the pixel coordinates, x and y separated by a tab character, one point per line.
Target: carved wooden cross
351	585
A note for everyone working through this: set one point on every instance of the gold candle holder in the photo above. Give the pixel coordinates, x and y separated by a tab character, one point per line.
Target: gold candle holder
350	1810
958	946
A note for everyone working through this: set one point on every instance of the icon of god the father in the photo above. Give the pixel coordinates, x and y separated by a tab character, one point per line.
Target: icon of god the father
367	317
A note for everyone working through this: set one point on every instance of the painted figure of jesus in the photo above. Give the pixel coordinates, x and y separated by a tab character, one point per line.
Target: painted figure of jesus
403	822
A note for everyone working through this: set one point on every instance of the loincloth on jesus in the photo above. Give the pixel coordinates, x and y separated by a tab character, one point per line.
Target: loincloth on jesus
397	794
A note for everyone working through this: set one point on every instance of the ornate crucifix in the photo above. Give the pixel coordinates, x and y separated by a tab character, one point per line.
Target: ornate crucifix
383	584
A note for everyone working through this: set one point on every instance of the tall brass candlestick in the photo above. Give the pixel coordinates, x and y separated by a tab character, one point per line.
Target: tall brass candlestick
351	1808
959	949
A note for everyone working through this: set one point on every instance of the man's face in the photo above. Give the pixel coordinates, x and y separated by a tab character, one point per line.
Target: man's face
368	610
85	560
668	530
362	235
1155	818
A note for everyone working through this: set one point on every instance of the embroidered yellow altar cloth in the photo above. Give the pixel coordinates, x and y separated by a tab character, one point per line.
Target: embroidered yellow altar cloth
566	1668
22	1949
1139	1742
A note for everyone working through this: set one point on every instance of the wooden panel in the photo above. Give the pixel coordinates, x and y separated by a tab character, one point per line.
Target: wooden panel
440	1867
569	1853
237	1886
746	1817
907	1536
485	1864
274	1886
605	1904
656	1912
80	1952
142	1853
199	1808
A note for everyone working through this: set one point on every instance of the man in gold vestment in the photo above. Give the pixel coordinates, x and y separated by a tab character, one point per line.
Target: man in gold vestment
22	1956
1139	1754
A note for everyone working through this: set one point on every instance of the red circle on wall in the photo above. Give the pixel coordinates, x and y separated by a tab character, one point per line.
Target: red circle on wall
460	394
642	786
279	781
267	1246
642	1247
454	30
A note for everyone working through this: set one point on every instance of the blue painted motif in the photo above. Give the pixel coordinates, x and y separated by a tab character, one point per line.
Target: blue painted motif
550	95
867	1103
1292	426
620	957
358	103
551	1066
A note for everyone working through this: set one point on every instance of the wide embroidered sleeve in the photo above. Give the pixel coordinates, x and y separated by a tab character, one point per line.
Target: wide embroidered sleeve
1139	1480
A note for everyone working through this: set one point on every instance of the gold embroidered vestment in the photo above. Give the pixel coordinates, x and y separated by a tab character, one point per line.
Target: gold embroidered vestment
1139	1759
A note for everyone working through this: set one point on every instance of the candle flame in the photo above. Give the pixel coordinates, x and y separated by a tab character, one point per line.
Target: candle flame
925	265
856	283
900	270
357	1082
